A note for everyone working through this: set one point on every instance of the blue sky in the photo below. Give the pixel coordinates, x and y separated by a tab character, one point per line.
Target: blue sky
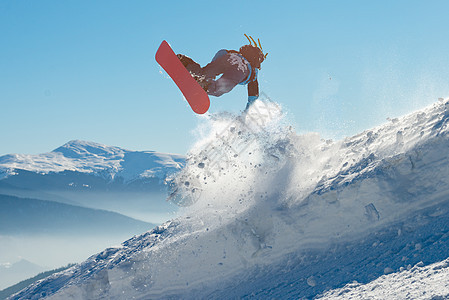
86	69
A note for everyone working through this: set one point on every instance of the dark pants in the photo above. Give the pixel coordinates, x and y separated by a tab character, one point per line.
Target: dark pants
232	66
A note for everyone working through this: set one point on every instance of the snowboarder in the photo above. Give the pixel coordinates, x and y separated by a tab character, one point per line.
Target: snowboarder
238	67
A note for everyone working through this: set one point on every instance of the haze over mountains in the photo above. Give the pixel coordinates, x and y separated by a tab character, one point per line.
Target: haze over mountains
60	207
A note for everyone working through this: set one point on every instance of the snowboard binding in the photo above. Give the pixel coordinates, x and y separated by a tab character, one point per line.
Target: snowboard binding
195	70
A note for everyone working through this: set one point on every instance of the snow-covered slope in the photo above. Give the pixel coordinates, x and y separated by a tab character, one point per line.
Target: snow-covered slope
418	282
274	214
93	158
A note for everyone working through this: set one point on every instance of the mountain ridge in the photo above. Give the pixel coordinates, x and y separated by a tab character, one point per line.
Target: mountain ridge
94	158
27	216
96	176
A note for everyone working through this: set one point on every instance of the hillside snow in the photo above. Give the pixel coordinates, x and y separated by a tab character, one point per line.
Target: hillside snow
273	214
418	282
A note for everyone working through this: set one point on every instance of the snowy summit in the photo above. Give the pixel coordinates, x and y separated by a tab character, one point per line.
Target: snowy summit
290	216
93	158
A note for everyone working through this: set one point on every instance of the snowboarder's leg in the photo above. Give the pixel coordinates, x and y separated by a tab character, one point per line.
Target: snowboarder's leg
219	54
230	78
192	91
195	70
193	67
221	86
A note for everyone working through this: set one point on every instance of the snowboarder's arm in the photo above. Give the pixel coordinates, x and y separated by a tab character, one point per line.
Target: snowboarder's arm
253	90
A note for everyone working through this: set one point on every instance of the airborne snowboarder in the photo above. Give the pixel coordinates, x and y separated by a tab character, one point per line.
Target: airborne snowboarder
238	67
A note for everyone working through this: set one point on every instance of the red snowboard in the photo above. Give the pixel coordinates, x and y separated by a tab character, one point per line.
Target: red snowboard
192	91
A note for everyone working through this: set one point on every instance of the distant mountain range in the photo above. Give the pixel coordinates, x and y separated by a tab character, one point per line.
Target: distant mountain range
12	273
81	191
71	166
25	216
92	175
